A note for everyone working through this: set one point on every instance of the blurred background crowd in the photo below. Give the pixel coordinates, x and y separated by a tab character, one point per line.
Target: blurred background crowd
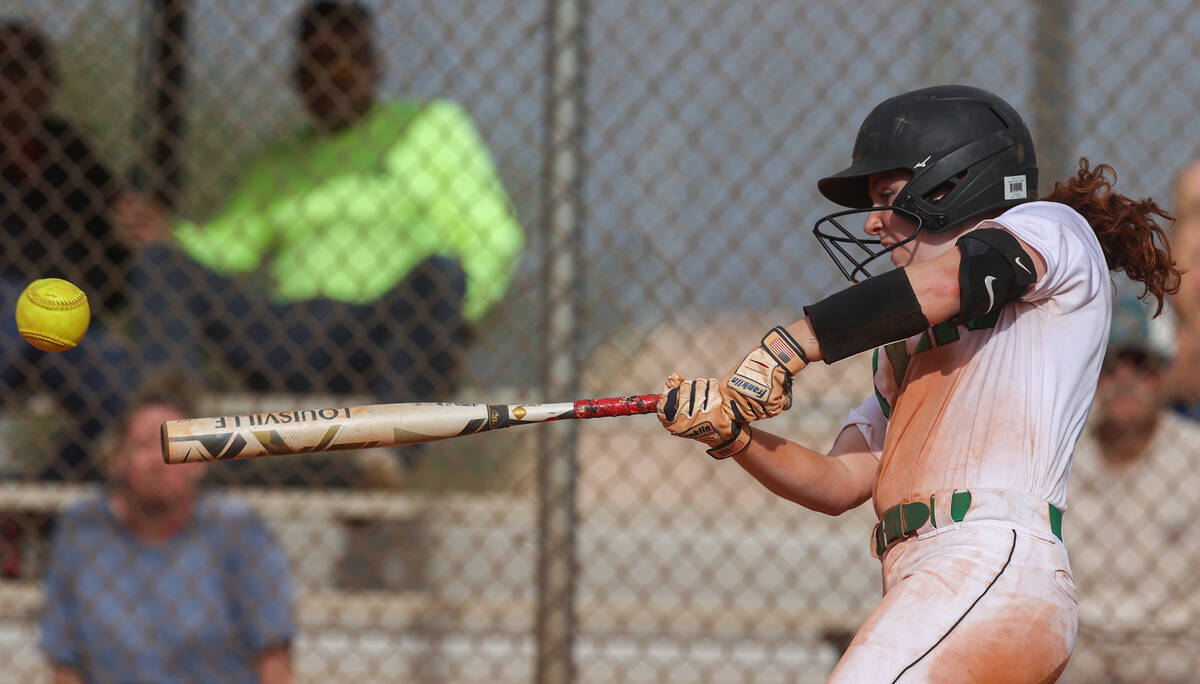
285	203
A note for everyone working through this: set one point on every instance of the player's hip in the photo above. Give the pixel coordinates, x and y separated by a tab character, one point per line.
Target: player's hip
973	601
940	512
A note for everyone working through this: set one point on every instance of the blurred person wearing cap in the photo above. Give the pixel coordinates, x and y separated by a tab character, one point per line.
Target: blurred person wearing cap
1133	482
154	580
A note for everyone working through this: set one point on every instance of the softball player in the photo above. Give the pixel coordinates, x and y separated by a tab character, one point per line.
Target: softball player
988	338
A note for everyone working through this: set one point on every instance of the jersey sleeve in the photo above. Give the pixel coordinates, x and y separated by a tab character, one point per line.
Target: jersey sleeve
868	419
465	202
1075	265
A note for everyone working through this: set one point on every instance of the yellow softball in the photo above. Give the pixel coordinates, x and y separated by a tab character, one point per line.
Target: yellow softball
53	314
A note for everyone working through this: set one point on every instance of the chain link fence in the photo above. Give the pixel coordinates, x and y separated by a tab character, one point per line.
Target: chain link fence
506	202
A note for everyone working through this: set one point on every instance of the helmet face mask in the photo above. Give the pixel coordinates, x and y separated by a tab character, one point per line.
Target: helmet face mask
970	154
854	254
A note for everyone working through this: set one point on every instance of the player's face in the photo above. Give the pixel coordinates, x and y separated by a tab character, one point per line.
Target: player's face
1185	243
1129	389
1187	194
337	76
152	485
892	228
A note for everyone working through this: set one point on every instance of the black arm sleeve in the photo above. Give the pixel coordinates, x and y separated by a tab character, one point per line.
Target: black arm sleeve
876	311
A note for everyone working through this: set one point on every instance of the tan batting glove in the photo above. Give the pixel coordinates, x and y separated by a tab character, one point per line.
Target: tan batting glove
699	410
761	385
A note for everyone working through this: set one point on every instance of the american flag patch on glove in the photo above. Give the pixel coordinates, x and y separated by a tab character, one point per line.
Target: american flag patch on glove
780	345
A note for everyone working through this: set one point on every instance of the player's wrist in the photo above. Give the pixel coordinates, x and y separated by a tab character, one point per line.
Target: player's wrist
761	385
734	445
784	349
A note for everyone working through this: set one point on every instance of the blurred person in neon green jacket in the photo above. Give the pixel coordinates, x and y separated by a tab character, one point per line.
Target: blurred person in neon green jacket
373	235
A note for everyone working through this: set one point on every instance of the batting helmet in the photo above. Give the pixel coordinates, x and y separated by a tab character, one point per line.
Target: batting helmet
970	154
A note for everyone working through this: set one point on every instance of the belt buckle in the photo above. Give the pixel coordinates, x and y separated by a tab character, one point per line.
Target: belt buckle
893	523
895	526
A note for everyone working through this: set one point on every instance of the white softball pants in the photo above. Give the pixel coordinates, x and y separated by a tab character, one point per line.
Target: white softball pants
988	599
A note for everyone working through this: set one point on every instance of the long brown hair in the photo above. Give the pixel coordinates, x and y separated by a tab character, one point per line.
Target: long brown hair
1128	230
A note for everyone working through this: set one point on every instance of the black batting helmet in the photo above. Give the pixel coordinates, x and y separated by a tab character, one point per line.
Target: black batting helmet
970	154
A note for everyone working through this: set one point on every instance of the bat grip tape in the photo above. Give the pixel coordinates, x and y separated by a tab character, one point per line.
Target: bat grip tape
616	406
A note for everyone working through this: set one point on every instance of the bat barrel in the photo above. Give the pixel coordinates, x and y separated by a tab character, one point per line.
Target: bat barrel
305	431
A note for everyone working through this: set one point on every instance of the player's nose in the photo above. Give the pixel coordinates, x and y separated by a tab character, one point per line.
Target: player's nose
874	223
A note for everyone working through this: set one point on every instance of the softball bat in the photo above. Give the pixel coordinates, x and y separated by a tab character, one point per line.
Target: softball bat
306	431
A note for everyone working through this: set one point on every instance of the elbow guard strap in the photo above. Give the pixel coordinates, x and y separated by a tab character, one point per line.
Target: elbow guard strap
995	271
864	316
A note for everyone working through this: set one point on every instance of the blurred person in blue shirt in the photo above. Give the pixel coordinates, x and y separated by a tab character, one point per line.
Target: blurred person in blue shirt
155	581
1134	464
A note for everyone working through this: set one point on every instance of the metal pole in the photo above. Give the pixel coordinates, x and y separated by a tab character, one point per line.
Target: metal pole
562	218
1052	60
158	125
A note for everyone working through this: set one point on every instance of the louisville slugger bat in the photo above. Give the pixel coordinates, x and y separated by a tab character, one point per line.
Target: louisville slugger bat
306	431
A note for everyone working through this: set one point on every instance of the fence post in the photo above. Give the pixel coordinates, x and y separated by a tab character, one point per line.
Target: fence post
562	217
159	126
1052	61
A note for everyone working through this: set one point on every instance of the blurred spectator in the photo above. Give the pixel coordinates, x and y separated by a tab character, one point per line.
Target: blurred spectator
54	200
374	233
1134	468
1185	243
155	582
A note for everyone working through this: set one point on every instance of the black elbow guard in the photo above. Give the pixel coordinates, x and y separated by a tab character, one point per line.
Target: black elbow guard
864	316
995	271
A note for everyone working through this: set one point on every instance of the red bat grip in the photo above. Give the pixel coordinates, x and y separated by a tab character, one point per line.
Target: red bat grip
616	406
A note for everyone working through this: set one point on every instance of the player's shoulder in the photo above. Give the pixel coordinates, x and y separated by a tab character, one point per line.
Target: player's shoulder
86	508
403	111
1050	227
442	108
442	120
426	125
1179	429
1067	244
396	112
221	508
91	512
1048	213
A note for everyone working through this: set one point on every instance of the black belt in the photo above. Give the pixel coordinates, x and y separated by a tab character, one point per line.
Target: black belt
903	520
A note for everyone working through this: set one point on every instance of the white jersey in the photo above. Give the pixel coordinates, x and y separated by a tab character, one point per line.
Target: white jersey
999	402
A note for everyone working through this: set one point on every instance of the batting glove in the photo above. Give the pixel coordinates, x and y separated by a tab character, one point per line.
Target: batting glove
761	385
699	410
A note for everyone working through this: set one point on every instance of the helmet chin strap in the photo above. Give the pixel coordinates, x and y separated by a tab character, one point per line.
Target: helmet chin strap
834	245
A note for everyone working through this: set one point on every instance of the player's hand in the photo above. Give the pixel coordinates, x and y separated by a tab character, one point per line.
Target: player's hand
761	385
700	410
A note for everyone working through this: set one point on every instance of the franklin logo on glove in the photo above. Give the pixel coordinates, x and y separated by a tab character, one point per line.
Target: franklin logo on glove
756	389
762	383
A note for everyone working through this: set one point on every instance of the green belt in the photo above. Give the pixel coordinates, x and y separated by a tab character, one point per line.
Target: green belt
903	520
